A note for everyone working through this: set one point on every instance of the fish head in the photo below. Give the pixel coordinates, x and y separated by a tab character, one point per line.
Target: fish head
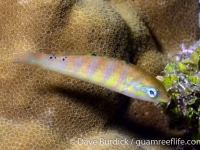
147	89
153	90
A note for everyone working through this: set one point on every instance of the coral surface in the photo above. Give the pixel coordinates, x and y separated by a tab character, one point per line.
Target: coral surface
26	136
43	108
171	22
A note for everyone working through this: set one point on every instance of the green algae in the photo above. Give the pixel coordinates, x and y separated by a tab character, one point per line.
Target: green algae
182	81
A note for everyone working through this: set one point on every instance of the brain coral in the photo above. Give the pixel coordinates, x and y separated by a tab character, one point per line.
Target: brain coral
38	107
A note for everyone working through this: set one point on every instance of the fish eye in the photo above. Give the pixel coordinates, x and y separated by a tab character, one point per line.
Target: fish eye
151	92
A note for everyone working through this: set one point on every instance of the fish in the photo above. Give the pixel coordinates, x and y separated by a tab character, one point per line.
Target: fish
110	73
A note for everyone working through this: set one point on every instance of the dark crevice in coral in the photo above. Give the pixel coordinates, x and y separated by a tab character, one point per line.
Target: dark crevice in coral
157	43
64	8
121	120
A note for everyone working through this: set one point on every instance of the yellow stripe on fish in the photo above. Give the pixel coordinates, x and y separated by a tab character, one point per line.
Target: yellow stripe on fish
110	73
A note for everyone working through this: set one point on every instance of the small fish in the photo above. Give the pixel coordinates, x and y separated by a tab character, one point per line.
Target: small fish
110	73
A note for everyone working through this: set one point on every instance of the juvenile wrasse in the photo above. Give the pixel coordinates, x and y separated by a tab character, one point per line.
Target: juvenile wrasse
110	73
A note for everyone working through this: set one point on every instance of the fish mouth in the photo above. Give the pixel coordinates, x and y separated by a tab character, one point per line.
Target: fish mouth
165	99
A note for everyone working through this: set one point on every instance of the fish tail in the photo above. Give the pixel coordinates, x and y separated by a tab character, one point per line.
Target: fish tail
22	57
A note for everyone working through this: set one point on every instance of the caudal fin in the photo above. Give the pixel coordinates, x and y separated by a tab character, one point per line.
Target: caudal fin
22	57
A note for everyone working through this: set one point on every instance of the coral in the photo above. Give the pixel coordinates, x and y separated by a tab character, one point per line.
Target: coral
142	44
48	104
26	136
149	116
171	22
67	106
154	68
